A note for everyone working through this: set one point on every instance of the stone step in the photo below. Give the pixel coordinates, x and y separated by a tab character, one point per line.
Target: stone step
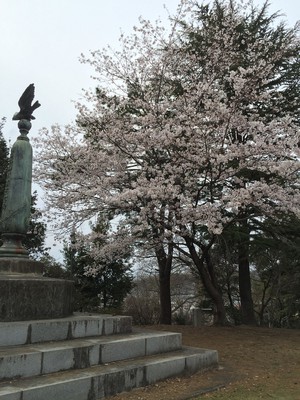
38	359
77	326
106	380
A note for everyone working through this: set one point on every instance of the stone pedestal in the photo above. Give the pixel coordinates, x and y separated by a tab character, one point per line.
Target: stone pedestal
26	295
197	317
24	298
16	266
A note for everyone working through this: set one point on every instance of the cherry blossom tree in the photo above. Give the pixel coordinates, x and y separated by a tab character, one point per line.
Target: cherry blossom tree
184	136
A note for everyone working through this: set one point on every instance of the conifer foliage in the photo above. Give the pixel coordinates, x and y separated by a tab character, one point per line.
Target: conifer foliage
98	286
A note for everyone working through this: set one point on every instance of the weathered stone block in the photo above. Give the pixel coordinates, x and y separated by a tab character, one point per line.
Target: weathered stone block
164	369
25	365
24	297
122	349
87	327
201	360
73	390
53	330
11	266
14	333
160	344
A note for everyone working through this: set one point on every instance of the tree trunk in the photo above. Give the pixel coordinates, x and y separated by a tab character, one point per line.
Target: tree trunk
165	265
232	307
209	283
220	318
165	297
247	309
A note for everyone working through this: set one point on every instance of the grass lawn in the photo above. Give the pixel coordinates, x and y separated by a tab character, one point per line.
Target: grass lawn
254	363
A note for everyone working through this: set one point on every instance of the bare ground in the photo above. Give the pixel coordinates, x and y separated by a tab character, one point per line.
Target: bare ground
254	363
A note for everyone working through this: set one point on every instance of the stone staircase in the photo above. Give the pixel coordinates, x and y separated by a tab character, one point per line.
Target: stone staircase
89	357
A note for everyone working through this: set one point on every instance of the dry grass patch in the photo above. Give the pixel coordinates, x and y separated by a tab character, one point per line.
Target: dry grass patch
255	363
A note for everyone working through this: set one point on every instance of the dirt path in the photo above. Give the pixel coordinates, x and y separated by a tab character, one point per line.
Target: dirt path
259	363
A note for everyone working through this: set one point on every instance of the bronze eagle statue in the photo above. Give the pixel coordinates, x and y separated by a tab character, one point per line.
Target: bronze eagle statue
26	109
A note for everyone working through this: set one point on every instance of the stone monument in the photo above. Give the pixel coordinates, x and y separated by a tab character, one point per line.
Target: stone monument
46	353
24	293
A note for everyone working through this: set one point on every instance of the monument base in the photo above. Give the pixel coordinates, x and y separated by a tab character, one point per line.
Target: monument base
12	246
26	297
12	266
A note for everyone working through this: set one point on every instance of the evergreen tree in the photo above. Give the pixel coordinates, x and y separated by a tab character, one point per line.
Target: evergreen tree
104	289
52	268
275	253
36	235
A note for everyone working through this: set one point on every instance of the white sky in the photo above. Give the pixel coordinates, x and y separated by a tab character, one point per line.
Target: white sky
41	41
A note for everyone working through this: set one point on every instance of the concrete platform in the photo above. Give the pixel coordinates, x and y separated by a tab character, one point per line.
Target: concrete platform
77	326
106	380
33	360
29	296
89	357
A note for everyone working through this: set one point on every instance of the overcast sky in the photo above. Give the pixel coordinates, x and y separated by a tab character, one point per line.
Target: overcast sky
41	41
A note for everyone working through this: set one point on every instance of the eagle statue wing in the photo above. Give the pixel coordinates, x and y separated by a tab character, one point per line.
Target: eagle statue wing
26	109
27	97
